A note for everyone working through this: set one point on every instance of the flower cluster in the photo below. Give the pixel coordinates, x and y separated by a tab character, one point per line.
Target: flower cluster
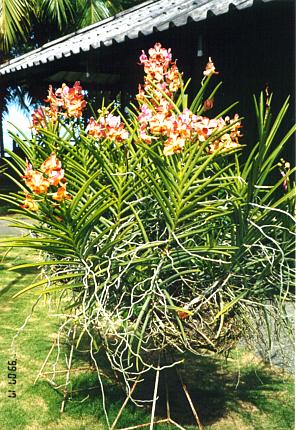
42	116
230	139
158	119
69	100
162	74
186	126
65	101
108	126
50	174
162	122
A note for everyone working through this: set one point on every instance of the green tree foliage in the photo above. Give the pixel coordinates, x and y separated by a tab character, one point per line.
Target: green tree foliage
26	24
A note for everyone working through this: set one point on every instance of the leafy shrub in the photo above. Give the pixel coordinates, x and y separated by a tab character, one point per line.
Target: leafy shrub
156	236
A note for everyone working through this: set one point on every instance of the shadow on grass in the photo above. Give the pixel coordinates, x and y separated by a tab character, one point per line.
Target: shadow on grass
213	386
10	285
8	261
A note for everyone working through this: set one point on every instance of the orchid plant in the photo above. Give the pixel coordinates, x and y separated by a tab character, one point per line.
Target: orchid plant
155	235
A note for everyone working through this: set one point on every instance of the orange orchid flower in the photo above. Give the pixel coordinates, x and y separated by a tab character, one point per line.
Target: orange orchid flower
30	204
210	68
108	126
50	164
37	182
61	194
52	167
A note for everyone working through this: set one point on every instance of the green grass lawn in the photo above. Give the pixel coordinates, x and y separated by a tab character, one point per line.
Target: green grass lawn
241	393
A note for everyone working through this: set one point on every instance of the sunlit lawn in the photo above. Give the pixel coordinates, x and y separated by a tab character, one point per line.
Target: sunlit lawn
241	394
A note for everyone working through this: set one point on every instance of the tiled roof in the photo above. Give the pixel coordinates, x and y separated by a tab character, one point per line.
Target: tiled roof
140	20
